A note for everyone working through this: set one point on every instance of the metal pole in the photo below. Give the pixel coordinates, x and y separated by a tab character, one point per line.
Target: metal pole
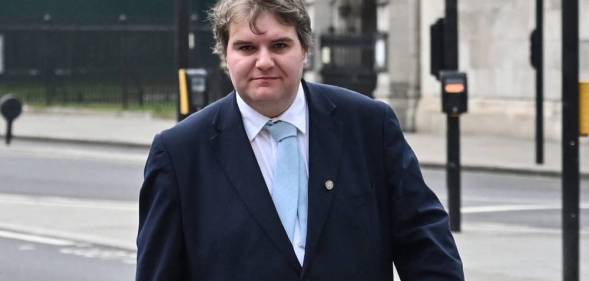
124	70
369	27
453	134
451	35
570	139
369	16
47	70
182	26
453	171
540	83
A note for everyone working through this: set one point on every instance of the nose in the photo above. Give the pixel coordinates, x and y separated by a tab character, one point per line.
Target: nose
265	60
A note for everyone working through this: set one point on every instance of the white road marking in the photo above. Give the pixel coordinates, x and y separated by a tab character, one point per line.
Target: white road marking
35	238
515	229
98	253
126	242
76	154
68	202
513	208
72	248
101	222
40	233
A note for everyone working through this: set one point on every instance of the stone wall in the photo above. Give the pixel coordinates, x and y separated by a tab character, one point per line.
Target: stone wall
403	91
494	51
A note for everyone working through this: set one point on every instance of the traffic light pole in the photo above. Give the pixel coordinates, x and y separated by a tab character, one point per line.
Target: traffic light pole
453	171
540	82
451	35
453	120
570	139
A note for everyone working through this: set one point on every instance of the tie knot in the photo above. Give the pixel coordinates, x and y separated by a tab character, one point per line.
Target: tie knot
280	130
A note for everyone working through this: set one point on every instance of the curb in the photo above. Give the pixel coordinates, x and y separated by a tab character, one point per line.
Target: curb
119	144
501	170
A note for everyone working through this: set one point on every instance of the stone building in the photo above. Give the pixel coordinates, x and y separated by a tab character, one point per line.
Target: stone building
494	50
69	39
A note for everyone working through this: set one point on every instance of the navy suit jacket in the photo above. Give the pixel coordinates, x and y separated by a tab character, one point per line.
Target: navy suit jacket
206	213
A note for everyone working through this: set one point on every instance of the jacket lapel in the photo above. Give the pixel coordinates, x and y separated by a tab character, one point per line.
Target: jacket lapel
237	158
325	148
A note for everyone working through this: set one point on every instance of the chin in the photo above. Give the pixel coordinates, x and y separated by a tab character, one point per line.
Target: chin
266	94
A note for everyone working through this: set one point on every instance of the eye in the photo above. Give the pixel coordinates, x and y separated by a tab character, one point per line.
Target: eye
245	48
280	45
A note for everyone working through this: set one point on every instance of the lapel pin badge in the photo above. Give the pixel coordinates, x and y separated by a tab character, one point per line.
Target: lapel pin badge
329	184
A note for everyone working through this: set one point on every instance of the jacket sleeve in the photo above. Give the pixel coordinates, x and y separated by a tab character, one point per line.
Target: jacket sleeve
423	246
160	244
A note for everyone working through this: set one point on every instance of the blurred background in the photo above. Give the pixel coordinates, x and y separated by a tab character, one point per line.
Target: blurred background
96	53
123	54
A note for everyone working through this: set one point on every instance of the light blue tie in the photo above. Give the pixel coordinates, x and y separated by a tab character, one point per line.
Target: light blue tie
289	187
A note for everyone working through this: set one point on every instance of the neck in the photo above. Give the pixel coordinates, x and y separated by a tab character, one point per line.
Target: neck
272	110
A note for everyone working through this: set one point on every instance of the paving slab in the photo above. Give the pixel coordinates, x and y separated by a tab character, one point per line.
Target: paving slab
501	154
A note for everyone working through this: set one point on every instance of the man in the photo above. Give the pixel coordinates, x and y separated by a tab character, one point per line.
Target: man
229	194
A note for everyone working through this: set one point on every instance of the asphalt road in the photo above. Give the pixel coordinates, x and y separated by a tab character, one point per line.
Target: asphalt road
25	261
72	171
112	173
526	204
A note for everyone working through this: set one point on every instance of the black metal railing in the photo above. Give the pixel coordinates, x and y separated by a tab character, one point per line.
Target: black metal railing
350	60
116	63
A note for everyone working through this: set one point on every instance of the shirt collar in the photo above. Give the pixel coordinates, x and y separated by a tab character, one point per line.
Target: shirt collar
254	121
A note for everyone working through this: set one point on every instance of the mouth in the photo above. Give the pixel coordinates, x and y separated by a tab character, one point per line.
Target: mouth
265	78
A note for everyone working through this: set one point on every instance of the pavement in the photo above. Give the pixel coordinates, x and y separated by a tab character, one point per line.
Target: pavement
487	153
527	254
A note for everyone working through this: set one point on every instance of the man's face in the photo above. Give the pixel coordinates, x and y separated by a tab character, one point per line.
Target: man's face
265	68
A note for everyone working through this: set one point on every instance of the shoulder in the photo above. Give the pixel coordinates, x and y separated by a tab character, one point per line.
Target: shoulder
198	127
348	102
345	97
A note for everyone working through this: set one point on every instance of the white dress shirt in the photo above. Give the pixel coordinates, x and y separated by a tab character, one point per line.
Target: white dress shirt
264	145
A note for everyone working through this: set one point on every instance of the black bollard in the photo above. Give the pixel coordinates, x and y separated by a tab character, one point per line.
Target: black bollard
11	108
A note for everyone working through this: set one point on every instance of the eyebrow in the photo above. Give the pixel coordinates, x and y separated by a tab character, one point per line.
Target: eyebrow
241	42
245	42
283	39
